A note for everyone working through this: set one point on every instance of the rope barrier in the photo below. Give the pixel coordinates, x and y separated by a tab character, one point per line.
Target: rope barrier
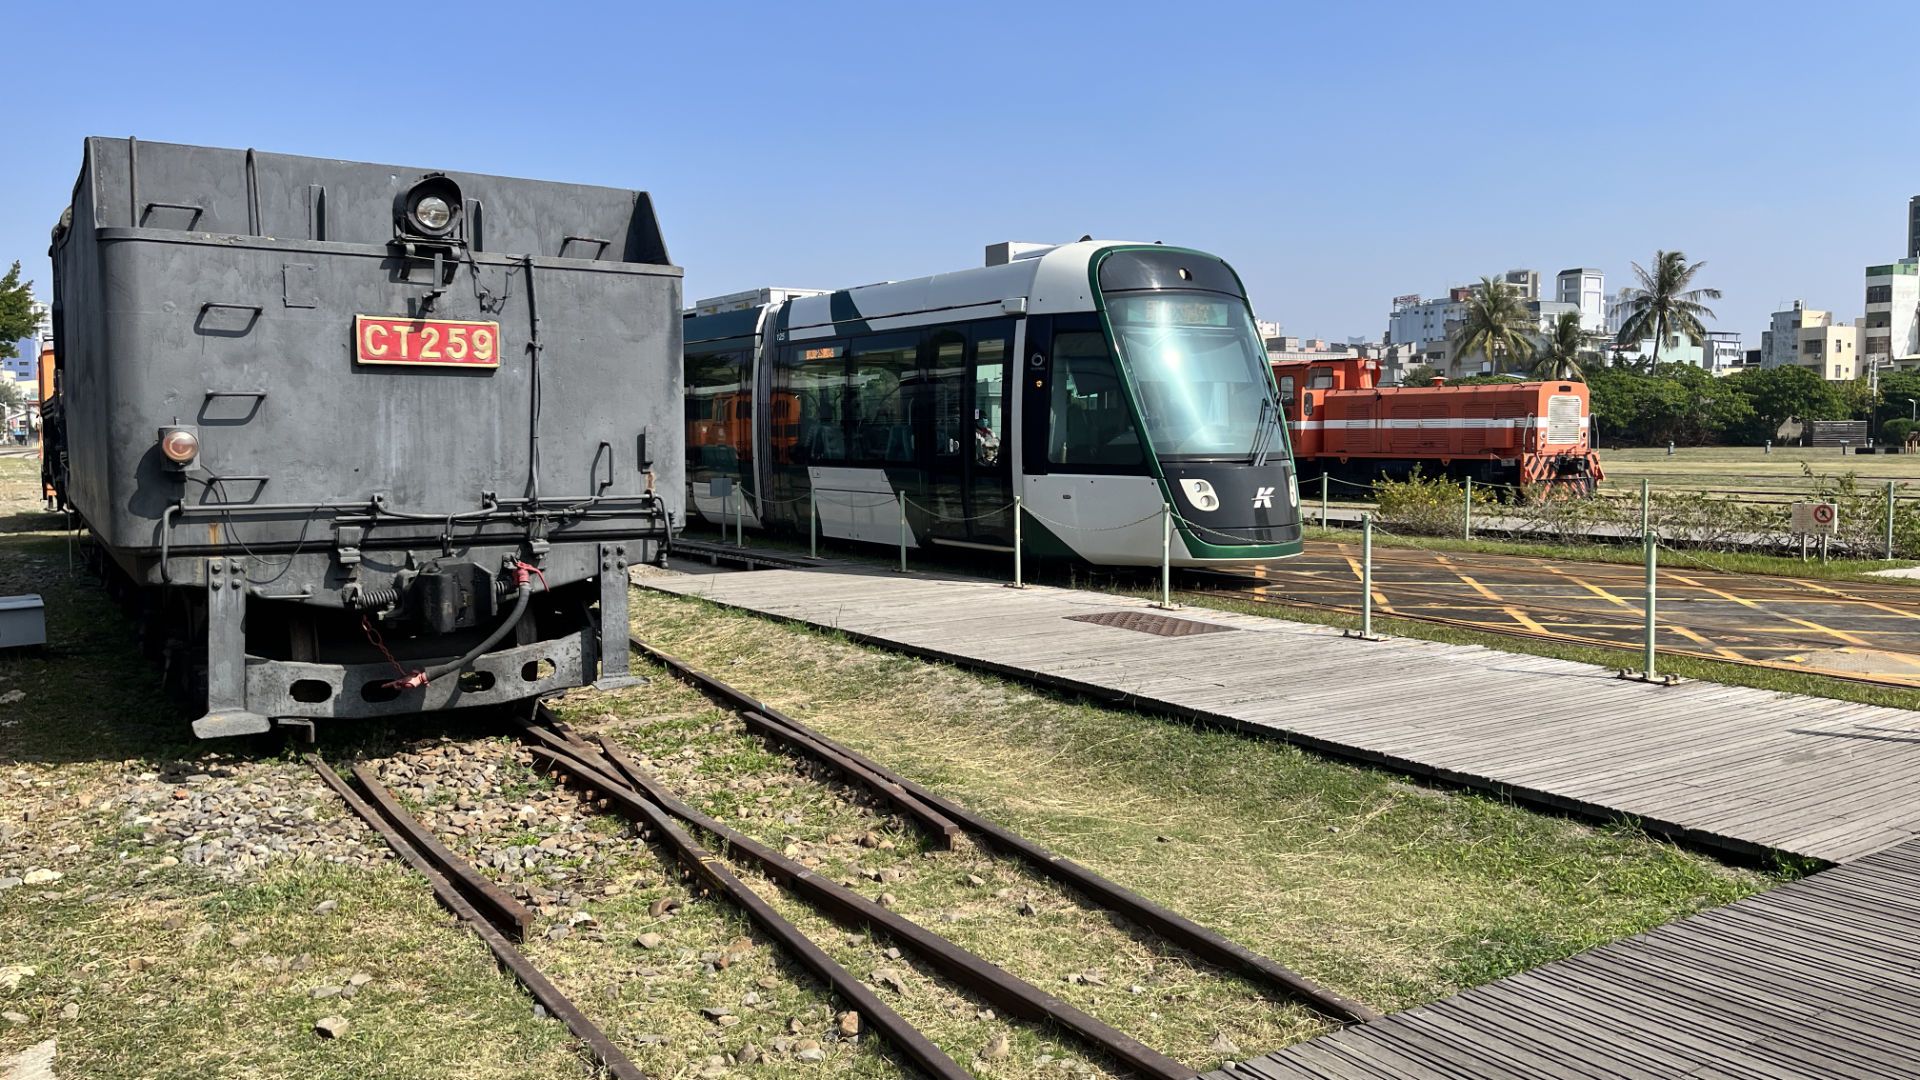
1043	519
937	516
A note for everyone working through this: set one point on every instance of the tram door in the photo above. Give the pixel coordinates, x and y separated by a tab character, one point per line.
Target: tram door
969	479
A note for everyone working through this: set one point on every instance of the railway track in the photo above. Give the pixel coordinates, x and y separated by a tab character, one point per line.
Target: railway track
1240	587
715	854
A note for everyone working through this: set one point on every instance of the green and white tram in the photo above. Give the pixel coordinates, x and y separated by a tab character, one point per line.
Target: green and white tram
1099	382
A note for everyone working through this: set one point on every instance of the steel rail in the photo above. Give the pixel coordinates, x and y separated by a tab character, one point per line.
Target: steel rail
710	870
1884	682
994	984
506	913
723	552
548	995
756	716
941	826
1168	924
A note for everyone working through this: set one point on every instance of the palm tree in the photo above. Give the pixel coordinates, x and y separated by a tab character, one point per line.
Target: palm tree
1497	323
1663	304
1565	349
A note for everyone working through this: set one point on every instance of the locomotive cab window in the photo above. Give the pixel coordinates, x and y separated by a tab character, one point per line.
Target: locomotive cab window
1320	378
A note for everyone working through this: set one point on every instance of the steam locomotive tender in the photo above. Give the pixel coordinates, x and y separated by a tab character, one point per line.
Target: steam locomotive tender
365	440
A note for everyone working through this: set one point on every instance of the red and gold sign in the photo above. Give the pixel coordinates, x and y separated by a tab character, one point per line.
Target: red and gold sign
378	339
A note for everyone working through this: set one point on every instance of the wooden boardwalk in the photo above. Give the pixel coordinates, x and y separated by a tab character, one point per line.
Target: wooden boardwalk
1820	978
1750	771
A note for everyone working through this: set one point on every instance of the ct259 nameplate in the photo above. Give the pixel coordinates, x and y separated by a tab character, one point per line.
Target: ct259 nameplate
380	339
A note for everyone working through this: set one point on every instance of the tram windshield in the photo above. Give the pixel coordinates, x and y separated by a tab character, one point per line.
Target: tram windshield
1200	367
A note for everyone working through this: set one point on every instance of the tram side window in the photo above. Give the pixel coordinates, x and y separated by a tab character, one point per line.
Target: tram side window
816	385
885	371
719	411
1087	421
949	403
989	399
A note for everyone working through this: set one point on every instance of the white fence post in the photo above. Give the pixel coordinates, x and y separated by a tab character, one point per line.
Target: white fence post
1019	579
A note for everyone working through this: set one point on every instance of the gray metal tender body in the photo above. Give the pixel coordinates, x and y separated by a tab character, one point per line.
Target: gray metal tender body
358	505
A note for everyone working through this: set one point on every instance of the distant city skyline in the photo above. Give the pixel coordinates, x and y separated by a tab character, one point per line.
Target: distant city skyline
1337	156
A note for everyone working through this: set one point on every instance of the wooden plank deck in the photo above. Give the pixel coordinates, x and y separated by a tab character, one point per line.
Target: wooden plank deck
1820	978
1750	771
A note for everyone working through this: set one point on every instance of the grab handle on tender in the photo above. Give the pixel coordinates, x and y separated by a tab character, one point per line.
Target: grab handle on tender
600	246
152	206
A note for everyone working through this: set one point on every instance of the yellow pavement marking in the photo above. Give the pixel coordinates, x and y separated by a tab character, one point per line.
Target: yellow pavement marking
1520	617
1743	601
1696	638
1379	597
1592	588
1850	598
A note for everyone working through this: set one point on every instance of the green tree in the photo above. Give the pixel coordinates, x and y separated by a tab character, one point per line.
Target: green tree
16	310
1497	325
1663	304
11	396
1565	352
1899	390
1419	375
1787	392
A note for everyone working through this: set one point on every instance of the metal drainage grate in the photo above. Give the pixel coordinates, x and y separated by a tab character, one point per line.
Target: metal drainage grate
1148	623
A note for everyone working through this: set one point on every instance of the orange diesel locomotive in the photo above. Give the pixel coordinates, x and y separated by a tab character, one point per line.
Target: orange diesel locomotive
1518	433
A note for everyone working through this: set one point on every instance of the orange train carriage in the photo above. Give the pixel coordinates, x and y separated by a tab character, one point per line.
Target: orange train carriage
1518	433
49	414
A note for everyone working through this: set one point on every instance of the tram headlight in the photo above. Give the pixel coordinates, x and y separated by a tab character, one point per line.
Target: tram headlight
1201	494
1293	491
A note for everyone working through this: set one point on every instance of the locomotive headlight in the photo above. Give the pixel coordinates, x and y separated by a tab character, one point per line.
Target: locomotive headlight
430	208
433	213
179	445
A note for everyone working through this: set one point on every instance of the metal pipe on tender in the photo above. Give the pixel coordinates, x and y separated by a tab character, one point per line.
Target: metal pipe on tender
166	537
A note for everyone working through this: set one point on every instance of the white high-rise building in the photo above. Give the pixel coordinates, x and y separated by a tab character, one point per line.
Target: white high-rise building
1585	288
1891	331
22	367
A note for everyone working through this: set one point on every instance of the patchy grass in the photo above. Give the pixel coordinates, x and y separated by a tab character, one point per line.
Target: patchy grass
1747	468
174	976
1388	891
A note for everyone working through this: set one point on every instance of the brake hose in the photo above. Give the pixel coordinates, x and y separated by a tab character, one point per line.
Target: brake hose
522	593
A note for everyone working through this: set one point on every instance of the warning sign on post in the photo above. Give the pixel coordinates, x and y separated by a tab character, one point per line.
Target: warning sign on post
1816	519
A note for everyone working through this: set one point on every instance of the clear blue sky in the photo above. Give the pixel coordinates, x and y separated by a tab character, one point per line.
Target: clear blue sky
1337	154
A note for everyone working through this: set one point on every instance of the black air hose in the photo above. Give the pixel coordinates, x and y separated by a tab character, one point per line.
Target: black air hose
521	595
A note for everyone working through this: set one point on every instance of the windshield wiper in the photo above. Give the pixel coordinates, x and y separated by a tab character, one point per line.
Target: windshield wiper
1259	432
1270	420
